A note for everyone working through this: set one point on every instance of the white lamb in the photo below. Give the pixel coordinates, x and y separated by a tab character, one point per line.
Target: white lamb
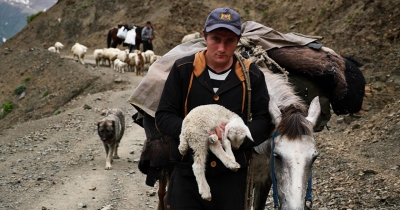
52	49
189	37
195	133
98	56
120	66
58	46
79	51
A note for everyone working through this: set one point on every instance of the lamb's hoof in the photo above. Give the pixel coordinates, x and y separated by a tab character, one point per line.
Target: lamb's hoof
182	151
206	196
212	138
235	167
116	157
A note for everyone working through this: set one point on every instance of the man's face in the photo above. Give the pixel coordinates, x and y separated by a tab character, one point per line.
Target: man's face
148	25
221	44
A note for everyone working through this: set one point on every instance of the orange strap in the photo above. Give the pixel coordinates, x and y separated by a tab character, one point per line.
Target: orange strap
187	95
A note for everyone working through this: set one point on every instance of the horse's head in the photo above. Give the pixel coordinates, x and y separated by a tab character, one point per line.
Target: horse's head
294	152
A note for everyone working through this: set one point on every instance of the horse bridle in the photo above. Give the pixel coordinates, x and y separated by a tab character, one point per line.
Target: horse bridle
274	185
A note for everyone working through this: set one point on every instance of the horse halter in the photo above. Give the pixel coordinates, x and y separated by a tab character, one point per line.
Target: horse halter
274	185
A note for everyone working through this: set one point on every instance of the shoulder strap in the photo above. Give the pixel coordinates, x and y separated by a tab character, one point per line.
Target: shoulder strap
245	64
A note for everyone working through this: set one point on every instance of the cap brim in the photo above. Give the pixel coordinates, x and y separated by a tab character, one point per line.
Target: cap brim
220	25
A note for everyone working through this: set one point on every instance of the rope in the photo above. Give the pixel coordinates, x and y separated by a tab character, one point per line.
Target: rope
249	180
258	55
248	85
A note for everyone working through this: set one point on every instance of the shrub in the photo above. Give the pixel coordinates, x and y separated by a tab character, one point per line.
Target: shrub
45	94
32	17
6	108
57	112
27	79
20	89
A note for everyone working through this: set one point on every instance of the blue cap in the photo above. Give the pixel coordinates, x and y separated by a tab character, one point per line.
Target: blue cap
223	18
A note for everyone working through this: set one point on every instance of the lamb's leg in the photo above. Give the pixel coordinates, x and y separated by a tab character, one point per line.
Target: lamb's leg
216	148
183	144
199	172
226	144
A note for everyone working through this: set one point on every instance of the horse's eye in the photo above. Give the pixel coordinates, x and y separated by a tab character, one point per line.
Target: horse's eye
277	156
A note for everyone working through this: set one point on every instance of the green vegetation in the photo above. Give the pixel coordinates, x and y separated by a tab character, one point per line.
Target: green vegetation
7	108
57	112
32	17
45	94
20	89
27	79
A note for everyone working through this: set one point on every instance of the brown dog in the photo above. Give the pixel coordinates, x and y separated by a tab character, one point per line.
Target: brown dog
111	129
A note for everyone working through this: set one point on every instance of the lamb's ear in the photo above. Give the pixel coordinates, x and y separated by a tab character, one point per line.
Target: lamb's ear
275	112
313	111
248	134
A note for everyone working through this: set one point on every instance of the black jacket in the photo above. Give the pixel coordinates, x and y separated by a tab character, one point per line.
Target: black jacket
232	95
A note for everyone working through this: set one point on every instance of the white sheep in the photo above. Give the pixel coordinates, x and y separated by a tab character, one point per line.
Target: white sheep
195	133
79	51
133	60
58	46
189	37
110	54
123	55
52	49
154	58
120	66
147	56
98	56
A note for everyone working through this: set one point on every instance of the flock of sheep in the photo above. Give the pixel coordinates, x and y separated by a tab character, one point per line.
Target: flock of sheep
119	60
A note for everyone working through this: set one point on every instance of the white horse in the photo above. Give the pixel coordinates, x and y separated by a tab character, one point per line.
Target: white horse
294	147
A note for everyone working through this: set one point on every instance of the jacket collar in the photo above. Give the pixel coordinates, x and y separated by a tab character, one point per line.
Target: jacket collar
235	77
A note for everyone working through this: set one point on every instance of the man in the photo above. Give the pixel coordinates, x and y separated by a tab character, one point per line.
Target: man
213	76
147	37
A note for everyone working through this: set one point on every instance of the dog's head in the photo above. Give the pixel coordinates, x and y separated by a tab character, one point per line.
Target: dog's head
106	130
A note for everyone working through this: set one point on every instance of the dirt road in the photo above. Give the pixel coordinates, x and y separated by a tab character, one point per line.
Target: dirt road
58	162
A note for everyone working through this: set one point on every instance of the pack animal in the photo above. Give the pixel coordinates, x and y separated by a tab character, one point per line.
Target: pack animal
111	129
289	155
196	127
113	40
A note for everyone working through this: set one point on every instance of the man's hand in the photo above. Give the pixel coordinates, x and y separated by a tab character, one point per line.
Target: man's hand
219	131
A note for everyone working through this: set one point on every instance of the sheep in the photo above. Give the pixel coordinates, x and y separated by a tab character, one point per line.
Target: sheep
154	58
140	64
198	133
147	55
110	54
120	65
58	46
98	56
133	60
79	51
189	37
123	55
52	49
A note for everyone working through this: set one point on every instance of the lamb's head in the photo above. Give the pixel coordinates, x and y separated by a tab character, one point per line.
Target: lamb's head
236	131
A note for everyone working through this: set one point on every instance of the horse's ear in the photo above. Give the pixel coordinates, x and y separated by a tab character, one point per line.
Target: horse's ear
275	112
314	111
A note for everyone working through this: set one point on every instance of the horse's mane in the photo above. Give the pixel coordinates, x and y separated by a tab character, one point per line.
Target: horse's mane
293	108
